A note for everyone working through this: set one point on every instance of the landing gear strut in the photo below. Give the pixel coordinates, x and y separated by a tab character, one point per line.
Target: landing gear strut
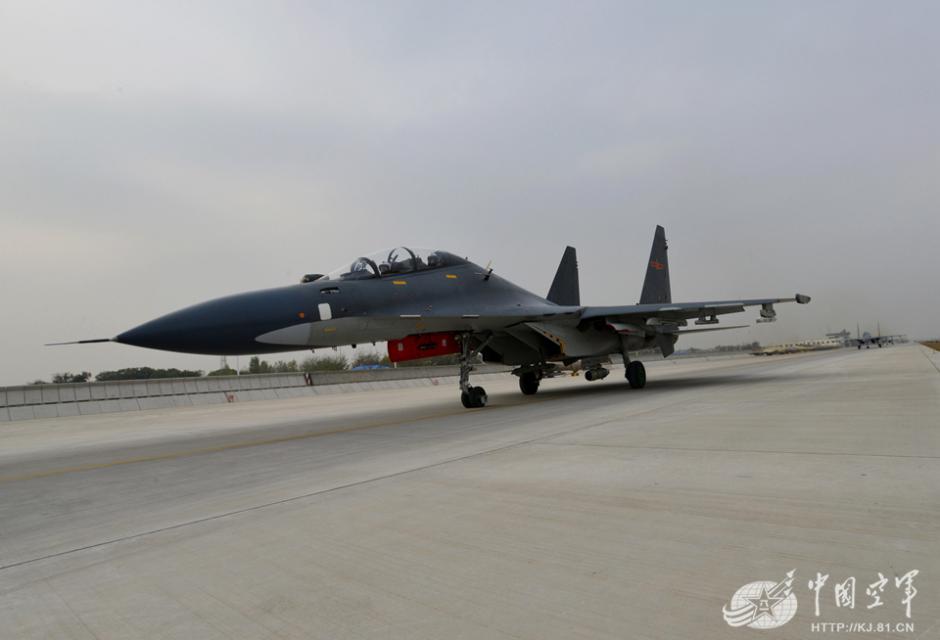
636	374
470	397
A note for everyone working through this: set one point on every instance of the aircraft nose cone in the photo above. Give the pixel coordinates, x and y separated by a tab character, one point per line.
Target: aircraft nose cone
199	329
153	335
180	331
225	326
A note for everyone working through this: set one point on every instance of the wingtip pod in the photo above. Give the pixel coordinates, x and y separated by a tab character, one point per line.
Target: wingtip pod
802	299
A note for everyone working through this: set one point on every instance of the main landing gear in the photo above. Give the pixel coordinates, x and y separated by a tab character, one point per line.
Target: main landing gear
471	397
529	382
636	374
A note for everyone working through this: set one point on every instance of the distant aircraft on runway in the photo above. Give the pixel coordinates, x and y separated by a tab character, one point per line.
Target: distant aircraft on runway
866	339
428	303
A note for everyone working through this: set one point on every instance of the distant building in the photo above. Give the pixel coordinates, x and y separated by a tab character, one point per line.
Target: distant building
843	335
817	344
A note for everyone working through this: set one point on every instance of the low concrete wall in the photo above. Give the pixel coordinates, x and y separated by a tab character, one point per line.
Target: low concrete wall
61	400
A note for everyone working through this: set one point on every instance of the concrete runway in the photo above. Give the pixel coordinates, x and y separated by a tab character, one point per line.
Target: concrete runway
588	511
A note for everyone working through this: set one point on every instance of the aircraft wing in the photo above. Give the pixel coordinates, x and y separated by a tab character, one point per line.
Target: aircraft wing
498	318
677	311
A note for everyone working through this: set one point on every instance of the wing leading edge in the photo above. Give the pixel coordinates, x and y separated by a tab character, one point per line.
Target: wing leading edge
675	311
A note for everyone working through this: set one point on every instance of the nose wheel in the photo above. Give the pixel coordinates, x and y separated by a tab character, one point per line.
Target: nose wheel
473	397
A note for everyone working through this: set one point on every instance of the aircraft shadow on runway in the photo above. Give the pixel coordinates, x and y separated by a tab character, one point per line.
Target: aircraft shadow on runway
622	388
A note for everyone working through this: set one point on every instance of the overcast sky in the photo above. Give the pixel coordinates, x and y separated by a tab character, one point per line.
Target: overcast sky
153	155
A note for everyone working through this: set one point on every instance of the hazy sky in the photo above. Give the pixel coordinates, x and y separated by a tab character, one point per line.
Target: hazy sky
153	155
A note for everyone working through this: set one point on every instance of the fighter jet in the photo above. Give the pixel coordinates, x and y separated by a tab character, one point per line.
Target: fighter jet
432	302
867	340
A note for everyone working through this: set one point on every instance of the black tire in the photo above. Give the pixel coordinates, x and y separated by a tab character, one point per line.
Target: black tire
474	398
528	383
636	375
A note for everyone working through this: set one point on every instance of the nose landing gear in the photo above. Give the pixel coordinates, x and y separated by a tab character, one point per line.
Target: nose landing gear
471	397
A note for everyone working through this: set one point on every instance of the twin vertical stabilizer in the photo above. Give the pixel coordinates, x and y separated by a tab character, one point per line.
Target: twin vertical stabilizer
656	285
565	288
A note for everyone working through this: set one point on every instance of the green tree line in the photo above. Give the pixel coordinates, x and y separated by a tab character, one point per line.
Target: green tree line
333	362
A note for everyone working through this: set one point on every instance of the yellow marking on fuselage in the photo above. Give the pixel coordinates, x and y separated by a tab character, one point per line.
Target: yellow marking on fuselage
399	282
329	329
452	276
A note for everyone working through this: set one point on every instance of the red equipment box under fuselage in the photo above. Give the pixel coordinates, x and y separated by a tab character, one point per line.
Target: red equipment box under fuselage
423	346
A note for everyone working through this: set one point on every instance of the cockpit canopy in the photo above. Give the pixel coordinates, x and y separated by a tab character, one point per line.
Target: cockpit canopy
394	261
